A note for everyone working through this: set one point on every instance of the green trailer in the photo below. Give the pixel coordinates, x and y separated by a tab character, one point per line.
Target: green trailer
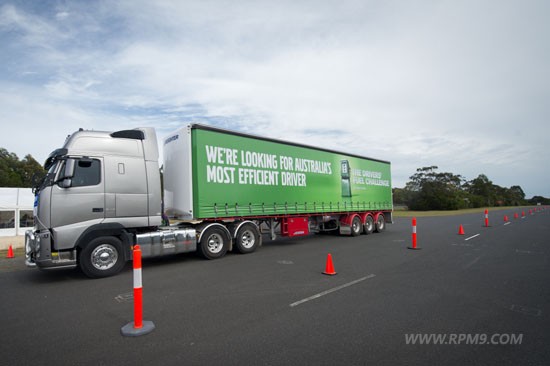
216	175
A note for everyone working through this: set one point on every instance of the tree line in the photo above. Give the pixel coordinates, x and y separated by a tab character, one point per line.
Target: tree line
18	173
429	189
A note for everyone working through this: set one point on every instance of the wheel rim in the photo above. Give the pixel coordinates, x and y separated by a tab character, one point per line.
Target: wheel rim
248	239
356	226
215	243
370	224
104	257
381	223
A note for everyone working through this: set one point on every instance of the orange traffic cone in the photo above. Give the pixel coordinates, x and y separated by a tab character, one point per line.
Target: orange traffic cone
329	268
10	253
460	230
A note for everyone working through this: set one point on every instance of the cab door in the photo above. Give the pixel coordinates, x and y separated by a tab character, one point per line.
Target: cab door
78	201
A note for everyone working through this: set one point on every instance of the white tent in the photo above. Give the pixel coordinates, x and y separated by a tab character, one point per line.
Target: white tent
16	211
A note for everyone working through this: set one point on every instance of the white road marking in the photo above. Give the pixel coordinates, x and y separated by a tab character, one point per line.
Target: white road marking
471	237
316	296
526	310
127	297
472	262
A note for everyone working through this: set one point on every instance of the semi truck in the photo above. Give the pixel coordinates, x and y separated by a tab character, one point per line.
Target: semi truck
217	191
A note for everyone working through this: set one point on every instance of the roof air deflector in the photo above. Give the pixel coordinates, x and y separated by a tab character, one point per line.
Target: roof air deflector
129	134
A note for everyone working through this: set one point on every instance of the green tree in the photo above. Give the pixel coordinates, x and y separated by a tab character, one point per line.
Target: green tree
29	169
516	196
482	191
15	172
400	196
429	189
539	199
432	190
9	172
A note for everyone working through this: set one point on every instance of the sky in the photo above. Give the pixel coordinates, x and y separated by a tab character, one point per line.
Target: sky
463	85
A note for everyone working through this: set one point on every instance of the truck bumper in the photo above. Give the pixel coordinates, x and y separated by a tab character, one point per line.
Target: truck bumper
38	252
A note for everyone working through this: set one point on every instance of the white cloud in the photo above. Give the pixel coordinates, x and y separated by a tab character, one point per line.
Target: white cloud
462	85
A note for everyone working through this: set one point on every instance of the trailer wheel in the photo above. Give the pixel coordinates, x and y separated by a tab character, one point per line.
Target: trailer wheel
247	239
356	226
369	225
214	242
102	257
380	223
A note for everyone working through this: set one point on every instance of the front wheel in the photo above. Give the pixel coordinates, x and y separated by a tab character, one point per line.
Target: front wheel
247	239
214	243
102	257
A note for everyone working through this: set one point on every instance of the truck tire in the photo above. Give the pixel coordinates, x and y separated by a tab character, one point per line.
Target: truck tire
356	226
380	223
102	257
369	225
214	243
247	238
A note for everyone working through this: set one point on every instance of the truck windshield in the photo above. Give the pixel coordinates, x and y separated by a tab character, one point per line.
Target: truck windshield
39	182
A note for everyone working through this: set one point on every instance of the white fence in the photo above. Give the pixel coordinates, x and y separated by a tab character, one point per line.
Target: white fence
16	211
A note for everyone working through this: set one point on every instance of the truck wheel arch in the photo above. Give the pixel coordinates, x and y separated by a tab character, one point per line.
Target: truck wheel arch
111	229
349	220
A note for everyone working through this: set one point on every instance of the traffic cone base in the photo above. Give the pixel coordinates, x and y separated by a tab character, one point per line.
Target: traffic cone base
129	330
460	230
414	248
10	253
329	267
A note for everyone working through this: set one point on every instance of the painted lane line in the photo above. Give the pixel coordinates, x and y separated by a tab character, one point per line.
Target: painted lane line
507	223
472	262
126	297
526	310
316	296
471	237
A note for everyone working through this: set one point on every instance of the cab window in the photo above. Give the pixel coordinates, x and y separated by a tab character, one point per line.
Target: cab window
87	173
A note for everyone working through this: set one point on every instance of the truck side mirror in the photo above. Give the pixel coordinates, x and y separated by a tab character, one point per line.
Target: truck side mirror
66	183
68	172
65	177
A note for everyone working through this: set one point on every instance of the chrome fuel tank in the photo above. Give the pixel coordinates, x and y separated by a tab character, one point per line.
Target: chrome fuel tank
165	242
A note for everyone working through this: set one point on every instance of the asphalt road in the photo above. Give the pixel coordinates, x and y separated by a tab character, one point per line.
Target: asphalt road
274	307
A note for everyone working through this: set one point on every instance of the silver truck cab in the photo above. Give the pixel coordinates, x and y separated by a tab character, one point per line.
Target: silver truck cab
100	191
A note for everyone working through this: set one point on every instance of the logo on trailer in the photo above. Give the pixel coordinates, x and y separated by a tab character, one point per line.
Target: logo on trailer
170	139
